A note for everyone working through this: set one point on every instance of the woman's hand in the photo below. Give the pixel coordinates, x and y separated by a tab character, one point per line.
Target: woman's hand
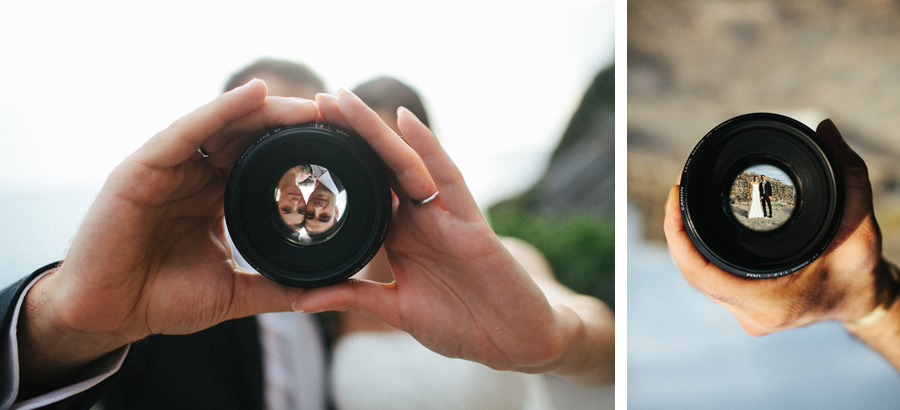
457	289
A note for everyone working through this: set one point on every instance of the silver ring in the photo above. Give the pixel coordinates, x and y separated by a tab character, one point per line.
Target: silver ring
203	152
426	200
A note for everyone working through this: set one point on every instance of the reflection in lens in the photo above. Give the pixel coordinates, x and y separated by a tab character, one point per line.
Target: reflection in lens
311	202
762	198
289	198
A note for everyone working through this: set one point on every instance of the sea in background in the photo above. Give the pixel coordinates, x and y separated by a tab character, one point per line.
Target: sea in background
36	228
687	352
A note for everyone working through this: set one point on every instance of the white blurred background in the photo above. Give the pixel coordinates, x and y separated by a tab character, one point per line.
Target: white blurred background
83	84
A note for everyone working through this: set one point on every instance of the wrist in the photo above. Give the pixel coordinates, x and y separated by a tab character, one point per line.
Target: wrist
886	294
49	351
872	302
589	353
880	330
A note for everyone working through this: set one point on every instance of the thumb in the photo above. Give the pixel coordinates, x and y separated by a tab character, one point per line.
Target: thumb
851	166
372	298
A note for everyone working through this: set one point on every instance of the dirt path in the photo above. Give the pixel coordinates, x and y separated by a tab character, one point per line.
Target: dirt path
780	215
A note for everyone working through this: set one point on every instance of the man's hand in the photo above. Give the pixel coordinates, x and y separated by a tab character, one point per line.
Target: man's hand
843	284
151	255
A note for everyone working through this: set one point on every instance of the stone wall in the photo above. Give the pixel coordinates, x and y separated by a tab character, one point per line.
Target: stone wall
782	193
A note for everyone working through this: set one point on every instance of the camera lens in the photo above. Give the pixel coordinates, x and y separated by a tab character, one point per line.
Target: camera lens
310	201
308	205
760	196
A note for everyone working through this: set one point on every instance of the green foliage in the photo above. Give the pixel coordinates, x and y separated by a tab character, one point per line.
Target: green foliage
580	247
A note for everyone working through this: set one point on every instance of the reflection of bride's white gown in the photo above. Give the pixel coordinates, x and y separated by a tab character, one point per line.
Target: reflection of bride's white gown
755	206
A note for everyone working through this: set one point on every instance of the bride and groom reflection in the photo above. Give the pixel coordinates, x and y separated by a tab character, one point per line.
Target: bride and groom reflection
760	196
310	200
762	203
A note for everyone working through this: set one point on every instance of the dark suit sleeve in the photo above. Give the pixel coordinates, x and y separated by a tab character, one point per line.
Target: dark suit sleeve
217	368
9	298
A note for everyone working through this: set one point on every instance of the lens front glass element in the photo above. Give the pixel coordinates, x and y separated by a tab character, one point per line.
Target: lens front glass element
762	198
310	201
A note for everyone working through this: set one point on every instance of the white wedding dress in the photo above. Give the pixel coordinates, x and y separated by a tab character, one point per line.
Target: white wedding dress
756	210
391	370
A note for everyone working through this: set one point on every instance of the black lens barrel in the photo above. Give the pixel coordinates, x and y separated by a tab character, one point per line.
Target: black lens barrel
255	227
710	171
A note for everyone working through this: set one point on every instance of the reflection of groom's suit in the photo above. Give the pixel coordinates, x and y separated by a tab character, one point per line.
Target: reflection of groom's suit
765	191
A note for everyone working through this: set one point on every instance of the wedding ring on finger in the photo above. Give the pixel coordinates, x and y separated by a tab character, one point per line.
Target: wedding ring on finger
203	152
426	200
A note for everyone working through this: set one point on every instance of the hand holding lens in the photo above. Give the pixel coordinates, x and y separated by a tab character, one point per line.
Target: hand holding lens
760	196
308	205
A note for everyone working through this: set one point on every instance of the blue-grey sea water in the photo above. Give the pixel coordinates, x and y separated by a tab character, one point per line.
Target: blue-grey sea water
37	227
687	352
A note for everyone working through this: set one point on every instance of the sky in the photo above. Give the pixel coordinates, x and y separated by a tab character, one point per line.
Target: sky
771	171
83	84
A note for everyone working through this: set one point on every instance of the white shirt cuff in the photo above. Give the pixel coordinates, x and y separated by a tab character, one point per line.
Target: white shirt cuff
99	370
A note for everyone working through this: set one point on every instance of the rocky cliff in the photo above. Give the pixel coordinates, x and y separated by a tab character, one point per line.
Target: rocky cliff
782	193
581	174
568	213
695	63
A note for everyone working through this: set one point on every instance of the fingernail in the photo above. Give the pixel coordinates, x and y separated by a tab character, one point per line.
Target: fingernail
409	113
348	92
304	100
325	96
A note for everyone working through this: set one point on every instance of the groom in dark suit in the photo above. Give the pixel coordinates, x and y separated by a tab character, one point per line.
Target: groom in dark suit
765	191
